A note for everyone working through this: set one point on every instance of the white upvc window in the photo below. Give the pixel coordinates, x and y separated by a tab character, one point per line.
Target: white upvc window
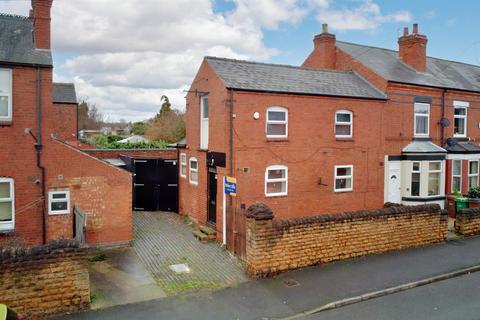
183	165
343	178
434	174
276	125
59	202
472	174
7	204
421	121
343	124
193	174
204	114
276	181
415	183
5	95
456	175
460	118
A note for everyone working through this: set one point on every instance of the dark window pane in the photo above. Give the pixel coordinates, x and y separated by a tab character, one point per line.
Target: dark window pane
276	129
57	206
342	130
343	117
415	184
59	196
276	115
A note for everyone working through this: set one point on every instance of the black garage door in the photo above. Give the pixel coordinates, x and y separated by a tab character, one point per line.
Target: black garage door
155	184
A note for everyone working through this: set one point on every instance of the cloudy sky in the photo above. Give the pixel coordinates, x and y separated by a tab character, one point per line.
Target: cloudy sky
124	55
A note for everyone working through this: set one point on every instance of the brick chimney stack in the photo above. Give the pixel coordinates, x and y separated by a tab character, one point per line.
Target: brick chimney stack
324	51
412	49
41	23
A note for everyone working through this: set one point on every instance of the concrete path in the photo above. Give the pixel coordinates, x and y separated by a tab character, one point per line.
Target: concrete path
297	291
162	239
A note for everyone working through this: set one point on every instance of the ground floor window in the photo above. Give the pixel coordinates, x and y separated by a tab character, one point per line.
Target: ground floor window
7	204
434	173
193	171
456	175
276	181
183	165
59	202
416	174
472	174
343	178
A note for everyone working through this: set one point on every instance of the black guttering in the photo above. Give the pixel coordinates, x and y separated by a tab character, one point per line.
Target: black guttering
423	199
417	157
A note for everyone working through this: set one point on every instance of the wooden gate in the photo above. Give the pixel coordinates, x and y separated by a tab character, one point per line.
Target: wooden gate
236	235
80	224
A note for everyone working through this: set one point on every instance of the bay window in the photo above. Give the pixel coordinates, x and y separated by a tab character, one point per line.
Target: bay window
416	175
456	175
434	173
472	174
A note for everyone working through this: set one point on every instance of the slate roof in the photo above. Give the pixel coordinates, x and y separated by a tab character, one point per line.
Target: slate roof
463	147
440	73
421	146
254	76
16	42
64	93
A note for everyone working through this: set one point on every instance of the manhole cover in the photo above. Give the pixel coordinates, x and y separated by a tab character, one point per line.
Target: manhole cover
180	268
290	283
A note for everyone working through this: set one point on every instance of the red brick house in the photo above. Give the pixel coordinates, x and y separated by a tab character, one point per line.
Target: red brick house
352	128
42	177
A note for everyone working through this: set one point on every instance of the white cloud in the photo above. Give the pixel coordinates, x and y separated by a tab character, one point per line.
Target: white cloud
367	16
430	14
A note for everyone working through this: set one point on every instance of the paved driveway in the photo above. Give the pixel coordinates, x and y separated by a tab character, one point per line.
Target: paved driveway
162	239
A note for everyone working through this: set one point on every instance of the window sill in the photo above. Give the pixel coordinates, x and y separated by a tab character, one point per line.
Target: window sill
277	140
63	213
346	139
343	191
6	123
276	196
7	230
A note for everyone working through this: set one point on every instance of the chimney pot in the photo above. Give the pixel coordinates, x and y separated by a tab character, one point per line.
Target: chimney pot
325	28
405	31
415	28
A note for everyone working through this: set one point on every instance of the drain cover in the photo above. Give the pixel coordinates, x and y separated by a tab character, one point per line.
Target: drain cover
180	268
290	283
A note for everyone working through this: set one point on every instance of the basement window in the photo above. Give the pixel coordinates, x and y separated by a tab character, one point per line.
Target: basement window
5	95
343	178
193	171
277	122
7	204
343	124
183	165
58	202
276	181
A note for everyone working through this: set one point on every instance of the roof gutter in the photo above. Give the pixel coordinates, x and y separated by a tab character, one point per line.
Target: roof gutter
435	87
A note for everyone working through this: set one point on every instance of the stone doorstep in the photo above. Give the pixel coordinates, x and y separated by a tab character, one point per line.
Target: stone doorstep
211	233
200	235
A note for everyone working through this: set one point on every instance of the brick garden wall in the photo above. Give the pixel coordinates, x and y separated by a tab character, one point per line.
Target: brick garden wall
44	281
140	153
468	221
275	245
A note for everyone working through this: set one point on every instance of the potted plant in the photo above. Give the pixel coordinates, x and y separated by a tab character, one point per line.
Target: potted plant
474	197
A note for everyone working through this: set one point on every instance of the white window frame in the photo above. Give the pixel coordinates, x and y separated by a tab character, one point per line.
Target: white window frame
439	171
456	175
9	225
8	118
474	174
415	115
344	123
419	171
267	180
52	200
350	176
285	122
190	170
183	164
204	123
460	105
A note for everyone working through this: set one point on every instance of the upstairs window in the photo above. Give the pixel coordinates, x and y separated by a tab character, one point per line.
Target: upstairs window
5	95
472	174
204	124
7	206
456	175
421	119
193	171
277	122
415	183
434	172
58	202
343	178
183	165
276	181
460	119
343	124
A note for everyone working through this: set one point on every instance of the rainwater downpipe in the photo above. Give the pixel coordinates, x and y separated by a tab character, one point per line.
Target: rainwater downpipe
38	148
443	117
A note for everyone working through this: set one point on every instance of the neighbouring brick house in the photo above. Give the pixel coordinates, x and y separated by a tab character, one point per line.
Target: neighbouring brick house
41	176
352	128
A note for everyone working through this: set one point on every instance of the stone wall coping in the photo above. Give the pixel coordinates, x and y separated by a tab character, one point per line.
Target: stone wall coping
20	254
259	211
469	213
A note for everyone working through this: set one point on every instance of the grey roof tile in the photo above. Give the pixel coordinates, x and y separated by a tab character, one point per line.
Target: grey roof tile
64	93
245	75
422	147
16	42
440	73
463	147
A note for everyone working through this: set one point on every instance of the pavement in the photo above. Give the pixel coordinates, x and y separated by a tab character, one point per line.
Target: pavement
294	292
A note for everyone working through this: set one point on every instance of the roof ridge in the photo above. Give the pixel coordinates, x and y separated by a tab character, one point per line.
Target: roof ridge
396	51
11	15
279	65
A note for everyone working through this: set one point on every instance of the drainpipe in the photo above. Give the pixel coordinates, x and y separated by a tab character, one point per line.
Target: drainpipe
231	133
443	117
38	148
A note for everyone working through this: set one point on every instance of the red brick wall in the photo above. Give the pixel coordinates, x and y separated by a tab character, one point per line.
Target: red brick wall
65	121
41	13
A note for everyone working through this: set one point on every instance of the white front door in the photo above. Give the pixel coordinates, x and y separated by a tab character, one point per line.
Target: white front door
394	182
